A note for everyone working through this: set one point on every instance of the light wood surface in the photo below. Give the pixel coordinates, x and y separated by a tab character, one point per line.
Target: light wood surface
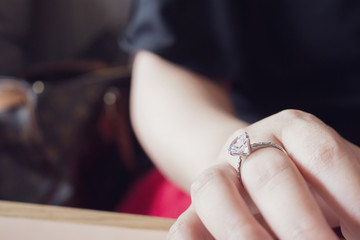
74	215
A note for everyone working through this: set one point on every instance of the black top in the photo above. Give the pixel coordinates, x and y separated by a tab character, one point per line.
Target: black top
279	54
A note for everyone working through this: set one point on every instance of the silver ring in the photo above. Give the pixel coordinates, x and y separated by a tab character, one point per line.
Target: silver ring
242	147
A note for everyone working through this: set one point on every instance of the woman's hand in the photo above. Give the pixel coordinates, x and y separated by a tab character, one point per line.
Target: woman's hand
299	195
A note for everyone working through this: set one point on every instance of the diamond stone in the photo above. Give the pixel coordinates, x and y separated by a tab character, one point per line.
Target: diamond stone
240	145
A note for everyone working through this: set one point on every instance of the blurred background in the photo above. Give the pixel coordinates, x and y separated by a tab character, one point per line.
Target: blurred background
65	134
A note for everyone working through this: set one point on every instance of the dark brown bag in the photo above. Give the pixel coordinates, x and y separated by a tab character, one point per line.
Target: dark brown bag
81	150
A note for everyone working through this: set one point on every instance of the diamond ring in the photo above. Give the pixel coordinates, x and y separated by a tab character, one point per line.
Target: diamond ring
242	147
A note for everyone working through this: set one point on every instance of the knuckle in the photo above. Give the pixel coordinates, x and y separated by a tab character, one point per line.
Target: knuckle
205	178
297	123
297	117
292	114
325	154
305	231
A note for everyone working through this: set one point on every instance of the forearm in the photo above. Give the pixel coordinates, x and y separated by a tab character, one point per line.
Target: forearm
181	119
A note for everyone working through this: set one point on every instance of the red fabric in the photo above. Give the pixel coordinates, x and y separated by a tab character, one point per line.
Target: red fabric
155	196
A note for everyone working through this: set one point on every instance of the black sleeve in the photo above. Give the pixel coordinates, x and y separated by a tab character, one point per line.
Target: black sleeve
201	35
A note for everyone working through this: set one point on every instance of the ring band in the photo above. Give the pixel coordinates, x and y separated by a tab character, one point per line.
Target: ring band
242	147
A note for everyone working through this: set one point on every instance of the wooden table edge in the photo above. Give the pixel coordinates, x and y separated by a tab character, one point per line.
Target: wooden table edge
84	216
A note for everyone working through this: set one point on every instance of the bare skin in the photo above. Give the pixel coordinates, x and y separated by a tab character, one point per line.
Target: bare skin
185	123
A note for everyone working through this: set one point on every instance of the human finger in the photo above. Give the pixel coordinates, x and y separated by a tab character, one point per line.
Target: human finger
328	162
283	197
189	227
219	205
